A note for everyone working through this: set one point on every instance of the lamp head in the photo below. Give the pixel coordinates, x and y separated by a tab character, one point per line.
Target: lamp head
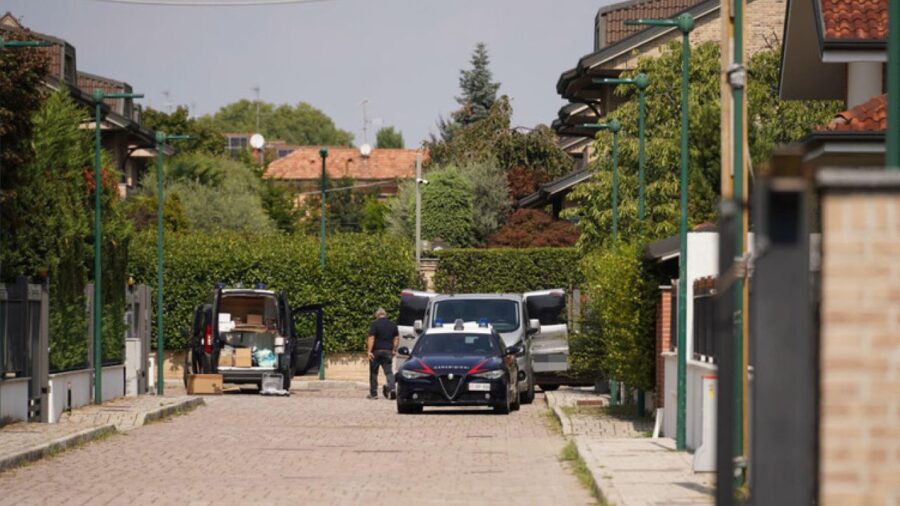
160	137
323	152
97	95
685	22
641	81
614	126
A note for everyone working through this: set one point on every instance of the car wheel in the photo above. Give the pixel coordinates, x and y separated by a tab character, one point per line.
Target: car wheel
516	405
502	409
549	388
408	409
527	397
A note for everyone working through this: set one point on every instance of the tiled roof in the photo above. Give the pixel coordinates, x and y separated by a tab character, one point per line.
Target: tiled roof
870	116
616	29
855	19
305	163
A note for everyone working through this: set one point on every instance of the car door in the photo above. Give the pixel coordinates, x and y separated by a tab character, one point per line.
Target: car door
413	305
550	346
307	331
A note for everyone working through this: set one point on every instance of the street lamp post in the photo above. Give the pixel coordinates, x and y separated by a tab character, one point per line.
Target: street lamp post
641	81
14	44
613	126
161	139
892	136
99	96
324	154
684	23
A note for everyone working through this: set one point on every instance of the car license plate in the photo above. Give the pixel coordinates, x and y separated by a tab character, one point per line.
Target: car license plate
479	387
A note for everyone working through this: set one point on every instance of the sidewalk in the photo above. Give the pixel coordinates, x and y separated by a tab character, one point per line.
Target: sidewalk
628	467
25	442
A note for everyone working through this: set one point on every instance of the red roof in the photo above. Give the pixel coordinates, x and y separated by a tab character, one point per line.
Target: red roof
616	14
855	19
870	116
305	164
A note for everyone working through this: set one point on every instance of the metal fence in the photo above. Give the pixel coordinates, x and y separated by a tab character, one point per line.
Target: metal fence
24	317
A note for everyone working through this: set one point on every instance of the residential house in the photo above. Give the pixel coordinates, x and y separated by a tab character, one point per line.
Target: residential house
381	170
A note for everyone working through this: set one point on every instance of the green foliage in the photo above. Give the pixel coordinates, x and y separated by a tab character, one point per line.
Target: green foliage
21	94
374	215
401	210
490	198
278	202
771	121
617	338
533	228
345	209
447	208
363	272
506	270
206	137
141	209
387	137
300	124
479	92
216	193
474	143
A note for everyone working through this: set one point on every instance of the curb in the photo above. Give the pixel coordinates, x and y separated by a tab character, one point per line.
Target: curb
169	410
43	450
595	478
557	412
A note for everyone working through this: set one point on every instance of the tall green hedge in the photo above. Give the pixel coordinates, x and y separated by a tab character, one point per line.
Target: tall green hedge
363	272
507	270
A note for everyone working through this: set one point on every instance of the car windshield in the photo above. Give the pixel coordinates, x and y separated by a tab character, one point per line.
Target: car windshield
503	314
457	344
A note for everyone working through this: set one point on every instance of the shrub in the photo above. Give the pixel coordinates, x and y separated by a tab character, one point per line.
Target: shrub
363	272
529	228
506	270
447	207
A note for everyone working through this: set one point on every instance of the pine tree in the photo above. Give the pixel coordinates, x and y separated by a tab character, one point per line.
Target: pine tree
478	91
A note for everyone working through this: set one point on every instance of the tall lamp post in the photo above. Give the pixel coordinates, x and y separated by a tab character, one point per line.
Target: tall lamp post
685	24
641	81
161	139
14	44
99	96
613	126
324	154
892	136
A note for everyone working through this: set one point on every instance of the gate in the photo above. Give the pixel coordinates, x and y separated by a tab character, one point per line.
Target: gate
137	339
24	342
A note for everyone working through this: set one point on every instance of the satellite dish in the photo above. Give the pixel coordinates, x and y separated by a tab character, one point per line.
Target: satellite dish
257	141
365	150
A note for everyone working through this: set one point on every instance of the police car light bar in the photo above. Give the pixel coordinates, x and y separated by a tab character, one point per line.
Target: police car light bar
438	322
483	322
459	324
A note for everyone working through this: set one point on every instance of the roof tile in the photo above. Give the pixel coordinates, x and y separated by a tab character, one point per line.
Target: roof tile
305	163
855	19
870	116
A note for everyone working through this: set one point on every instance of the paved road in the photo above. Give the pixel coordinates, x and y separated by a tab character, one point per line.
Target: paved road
326	447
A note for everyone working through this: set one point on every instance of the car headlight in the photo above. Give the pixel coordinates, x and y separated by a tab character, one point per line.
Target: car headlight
491	375
411	375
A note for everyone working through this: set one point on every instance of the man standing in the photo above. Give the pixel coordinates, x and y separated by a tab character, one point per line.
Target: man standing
384	337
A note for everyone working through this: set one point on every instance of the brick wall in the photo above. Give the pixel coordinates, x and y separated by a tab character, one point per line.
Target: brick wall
663	340
860	349
764	18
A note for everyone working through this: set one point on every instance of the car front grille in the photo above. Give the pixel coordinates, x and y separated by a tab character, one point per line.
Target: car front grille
450	386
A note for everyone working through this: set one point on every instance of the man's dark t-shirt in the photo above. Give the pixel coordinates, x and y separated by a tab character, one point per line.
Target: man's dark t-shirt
384	331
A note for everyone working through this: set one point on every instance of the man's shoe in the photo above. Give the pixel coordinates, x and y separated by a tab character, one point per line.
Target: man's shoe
393	394
385	392
371	397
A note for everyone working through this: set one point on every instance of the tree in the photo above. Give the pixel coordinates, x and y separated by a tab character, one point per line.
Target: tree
771	121
278	202
532	228
387	137
447	207
205	136
301	124
490	198
479	92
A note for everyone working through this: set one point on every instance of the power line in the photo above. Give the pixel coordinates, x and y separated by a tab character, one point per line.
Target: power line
211	3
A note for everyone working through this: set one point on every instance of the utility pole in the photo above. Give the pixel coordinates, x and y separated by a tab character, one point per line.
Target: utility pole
256	90
324	154
419	182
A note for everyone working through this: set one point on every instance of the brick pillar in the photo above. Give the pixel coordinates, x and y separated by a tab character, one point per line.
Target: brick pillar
860	347
663	340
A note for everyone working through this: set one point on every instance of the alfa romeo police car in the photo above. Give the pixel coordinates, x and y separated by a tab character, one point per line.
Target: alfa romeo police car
461	364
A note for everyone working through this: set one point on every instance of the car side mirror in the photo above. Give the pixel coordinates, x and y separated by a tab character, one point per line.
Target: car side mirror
418	326
514	350
403	351
534	326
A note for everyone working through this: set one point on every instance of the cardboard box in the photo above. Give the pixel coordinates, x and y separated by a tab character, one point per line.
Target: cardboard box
226	358
254	319
243	357
204	384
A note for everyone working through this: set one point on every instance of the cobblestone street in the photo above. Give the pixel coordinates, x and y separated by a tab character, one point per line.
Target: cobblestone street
329	446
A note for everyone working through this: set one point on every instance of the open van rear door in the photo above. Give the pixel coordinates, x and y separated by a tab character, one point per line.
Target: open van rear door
307	328
413	305
549	347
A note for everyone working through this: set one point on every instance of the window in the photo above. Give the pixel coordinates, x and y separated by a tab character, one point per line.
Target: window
503	314
457	344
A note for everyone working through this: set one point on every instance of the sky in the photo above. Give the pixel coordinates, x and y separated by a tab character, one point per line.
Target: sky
402	56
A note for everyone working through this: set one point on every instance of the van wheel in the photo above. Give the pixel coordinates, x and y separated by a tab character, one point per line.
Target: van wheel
549	388
527	397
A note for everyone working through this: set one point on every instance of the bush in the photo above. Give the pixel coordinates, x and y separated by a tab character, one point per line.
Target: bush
618	336
363	272
532	228
506	270
447	208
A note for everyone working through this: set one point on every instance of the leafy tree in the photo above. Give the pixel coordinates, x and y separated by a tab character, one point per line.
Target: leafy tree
205	136
479	92
374	215
771	121
300	124
447	208
345	208
490	198
532	228
387	137
142	211
278	202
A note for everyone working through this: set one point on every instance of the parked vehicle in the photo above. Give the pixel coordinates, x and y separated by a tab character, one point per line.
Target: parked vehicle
243	334
466	364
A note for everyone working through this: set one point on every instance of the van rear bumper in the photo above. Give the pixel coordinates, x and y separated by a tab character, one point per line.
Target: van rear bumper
245	374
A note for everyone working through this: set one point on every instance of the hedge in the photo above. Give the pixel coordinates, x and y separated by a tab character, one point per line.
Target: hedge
506	270
363	272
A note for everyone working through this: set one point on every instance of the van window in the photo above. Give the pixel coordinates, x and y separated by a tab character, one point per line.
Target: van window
503	314
549	309
248	312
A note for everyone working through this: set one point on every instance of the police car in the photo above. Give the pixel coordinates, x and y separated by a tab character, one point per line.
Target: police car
460	364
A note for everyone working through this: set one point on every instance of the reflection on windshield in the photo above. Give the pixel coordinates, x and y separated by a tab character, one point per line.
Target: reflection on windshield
502	314
456	344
